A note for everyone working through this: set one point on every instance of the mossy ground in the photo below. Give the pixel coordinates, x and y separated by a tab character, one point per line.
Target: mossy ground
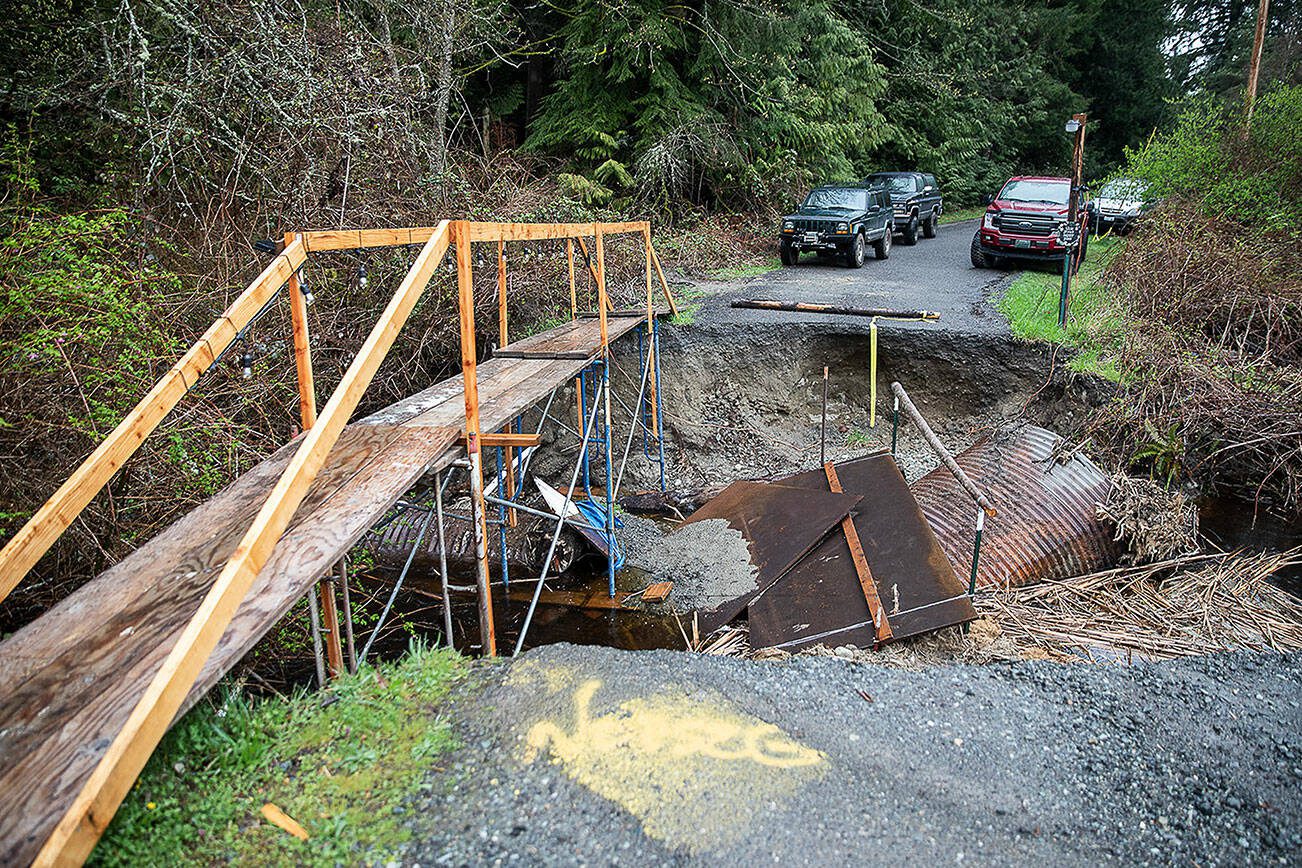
1094	324
342	763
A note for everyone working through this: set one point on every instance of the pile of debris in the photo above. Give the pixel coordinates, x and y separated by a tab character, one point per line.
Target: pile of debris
841	554
1193	604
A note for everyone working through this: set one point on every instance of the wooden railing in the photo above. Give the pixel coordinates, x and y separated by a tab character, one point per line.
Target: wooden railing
99	798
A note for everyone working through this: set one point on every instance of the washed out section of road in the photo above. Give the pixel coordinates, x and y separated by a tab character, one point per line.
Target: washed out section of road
590	755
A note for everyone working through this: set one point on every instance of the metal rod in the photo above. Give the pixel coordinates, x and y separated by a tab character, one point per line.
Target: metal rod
660	417
822	427
556	536
895	424
807	307
443	558
529	510
342	567
632	428
397	586
501	518
317	653
976	551
610	478
939	448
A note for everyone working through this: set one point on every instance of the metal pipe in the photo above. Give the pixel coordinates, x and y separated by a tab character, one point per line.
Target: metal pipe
939	448
317	653
556	535
822	426
443	559
397	586
633	426
529	510
342	567
502	518
610	477
895	424
660	433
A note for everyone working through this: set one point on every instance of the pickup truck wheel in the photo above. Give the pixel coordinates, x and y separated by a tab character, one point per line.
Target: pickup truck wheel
979	257
855	256
789	256
911	231
929	226
882	246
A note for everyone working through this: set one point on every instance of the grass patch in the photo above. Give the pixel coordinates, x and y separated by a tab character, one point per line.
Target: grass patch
962	214
1094	325
340	763
744	269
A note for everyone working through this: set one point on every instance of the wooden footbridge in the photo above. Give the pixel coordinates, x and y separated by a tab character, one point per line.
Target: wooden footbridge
89	689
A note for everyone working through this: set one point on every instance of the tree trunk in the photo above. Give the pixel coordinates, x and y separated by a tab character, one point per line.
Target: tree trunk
443	90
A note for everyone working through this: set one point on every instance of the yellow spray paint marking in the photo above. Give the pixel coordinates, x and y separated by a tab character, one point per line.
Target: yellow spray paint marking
693	771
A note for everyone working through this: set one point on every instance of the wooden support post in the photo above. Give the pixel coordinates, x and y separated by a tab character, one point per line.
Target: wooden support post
466	303
342	568
41	530
302	347
330	624
593	269
90	813
574	293
664	284
603	303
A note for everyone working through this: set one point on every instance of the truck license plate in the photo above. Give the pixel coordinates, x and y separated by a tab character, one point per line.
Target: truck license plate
811	237
1022	242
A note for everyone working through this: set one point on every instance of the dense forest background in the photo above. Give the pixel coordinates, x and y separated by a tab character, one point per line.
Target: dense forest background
146	144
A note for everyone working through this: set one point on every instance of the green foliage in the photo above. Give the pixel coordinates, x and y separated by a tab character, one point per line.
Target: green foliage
340	768
1255	179
705	103
1163	452
1094	324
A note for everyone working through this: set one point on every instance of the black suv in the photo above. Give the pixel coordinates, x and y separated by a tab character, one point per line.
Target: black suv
916	199
842	219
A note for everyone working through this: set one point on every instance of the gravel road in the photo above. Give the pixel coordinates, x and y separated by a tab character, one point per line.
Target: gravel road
595	756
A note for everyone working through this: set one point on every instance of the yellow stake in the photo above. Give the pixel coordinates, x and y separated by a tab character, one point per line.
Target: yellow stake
872	372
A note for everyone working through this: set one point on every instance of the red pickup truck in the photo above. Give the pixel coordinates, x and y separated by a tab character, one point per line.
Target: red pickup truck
1025	221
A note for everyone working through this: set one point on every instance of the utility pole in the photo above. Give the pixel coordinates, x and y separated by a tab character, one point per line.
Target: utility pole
1254	67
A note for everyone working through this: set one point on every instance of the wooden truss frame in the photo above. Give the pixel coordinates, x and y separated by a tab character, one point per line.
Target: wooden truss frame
90	813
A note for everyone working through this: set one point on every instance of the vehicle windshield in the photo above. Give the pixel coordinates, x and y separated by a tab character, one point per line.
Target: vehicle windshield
1046	192
1123	188
854	198
895	183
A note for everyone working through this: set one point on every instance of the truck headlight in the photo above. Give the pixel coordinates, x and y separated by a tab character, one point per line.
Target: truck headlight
989	221
842	228
787	226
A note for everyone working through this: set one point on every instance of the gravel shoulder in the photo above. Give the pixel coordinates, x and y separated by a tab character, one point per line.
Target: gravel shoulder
591	755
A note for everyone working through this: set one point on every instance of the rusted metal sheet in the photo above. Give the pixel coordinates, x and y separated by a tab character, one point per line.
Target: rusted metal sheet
780	523
1045	526
820	601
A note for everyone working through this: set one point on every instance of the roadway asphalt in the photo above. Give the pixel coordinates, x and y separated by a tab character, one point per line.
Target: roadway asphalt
593	756
935	274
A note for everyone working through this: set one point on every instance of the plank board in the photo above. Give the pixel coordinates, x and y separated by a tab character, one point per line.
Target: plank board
71	678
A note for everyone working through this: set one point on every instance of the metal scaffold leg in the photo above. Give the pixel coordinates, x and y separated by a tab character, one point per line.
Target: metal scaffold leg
610	475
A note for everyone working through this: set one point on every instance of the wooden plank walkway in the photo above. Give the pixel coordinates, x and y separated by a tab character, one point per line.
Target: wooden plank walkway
69	680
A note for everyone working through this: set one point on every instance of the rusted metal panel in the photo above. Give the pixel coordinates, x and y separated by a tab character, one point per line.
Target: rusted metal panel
1045	526
781	524
821	601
